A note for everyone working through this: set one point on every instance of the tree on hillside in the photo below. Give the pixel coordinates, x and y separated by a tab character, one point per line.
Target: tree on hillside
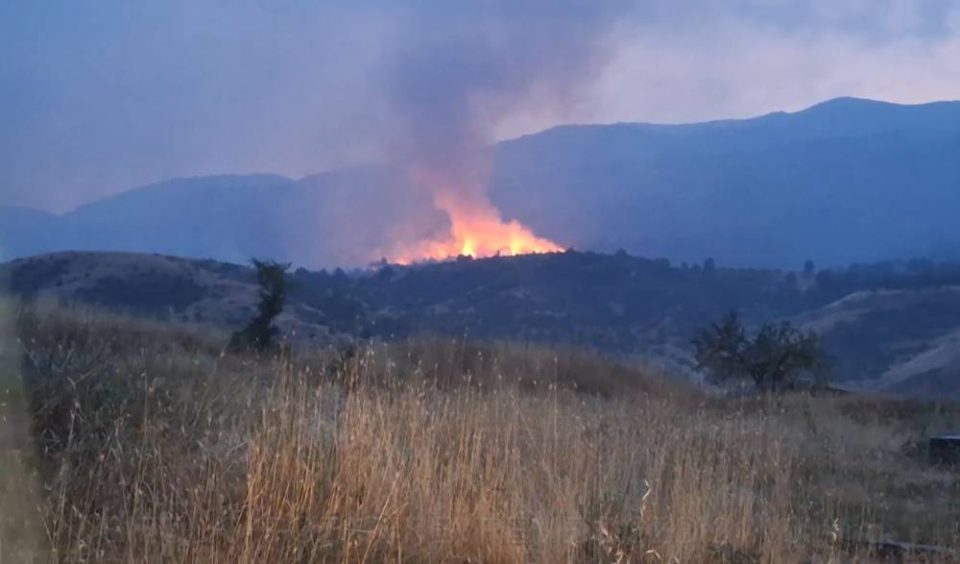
260	334
709	266
771	359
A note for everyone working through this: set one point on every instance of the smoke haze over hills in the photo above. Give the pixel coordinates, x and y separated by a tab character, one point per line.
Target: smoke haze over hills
845	181
98	98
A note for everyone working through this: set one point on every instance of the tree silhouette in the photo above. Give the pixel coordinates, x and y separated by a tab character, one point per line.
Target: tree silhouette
260	334
709	266
772	359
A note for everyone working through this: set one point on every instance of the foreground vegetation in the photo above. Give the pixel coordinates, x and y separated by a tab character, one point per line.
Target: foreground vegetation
132	441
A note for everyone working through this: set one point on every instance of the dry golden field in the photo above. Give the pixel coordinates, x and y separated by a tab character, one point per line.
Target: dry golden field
131	441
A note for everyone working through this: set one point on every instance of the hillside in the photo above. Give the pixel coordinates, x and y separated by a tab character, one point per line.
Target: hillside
168	449
771	191
903	340
892	327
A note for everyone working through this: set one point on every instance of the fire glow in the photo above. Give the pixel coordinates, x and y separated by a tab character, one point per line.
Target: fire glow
476	230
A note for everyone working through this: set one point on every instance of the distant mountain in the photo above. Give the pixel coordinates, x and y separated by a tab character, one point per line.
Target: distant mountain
892	327
844	181
228	217
25	232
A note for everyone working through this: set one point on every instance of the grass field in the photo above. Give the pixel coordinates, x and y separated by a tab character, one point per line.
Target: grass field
131	441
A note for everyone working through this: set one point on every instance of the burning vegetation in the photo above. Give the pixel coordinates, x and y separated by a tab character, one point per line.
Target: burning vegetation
476	230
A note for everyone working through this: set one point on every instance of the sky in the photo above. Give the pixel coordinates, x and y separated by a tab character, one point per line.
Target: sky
102	96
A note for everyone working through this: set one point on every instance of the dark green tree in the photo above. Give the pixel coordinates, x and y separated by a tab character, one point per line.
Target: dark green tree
709	266
771	359
260	334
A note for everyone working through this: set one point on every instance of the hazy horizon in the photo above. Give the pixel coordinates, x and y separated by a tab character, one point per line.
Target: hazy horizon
99	99
373	162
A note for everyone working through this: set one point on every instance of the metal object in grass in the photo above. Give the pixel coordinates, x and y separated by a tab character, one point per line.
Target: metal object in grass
945	450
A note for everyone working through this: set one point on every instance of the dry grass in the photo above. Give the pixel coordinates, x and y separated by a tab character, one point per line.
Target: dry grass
152	446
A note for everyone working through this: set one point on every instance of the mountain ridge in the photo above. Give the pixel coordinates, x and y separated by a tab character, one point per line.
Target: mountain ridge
830	106
880	177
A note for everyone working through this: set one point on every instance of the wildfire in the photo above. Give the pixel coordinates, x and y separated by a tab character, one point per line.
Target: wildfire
476	230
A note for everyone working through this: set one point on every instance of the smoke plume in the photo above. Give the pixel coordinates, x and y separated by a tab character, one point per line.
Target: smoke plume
461	71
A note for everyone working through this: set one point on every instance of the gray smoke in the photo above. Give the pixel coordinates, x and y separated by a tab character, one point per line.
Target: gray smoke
460	69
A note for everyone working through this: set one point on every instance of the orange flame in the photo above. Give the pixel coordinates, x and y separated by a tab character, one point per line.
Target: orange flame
476	230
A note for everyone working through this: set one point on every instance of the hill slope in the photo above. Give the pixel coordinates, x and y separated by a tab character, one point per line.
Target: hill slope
770	191
889	327
844	181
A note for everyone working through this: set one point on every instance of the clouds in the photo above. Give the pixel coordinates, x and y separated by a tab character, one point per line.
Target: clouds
98	97
778	55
